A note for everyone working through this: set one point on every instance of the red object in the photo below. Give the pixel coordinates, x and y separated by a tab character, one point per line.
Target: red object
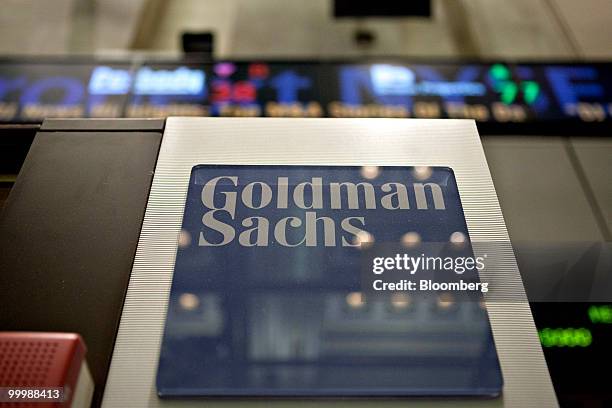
41	360
258	71
244	91
221	91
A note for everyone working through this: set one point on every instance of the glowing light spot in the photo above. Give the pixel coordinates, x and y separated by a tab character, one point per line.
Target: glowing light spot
355	300
184	239
458	239
370	172
411	239
189	301
445	301
422	172
363	239
401	301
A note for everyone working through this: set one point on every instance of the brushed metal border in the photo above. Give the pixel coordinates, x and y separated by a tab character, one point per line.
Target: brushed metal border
407	142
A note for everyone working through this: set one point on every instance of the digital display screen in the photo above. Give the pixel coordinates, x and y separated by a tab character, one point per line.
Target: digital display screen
266	89
32	92
576	340
161	90
487	92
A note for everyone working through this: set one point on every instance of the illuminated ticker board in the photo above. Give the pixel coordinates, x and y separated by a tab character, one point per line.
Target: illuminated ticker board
576	340
30	92
492	93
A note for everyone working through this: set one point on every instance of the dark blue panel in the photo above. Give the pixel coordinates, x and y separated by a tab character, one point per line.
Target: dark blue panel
285	317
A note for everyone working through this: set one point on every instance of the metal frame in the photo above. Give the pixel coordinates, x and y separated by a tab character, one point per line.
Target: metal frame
191	141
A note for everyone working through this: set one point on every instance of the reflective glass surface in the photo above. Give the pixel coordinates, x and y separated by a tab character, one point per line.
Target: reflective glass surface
267	298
